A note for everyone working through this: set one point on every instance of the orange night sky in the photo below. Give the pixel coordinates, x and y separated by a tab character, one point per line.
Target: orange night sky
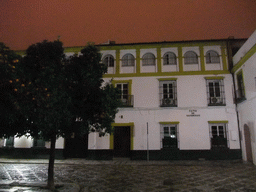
24	22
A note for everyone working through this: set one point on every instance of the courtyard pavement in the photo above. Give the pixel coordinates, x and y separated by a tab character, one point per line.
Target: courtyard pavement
125	175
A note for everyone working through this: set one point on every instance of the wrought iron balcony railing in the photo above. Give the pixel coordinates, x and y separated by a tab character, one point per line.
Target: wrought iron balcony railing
240	95
168	102
127	100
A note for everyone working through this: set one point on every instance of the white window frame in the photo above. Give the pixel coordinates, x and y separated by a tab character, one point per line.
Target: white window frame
169	58
162	134
128	60
211	59
170	96
225	131
148	59
217	99
110	58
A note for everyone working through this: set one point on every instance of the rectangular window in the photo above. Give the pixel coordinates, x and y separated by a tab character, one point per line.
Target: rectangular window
215	92
169	136
240	92
126	99
38	143
168	94
218	135
9	142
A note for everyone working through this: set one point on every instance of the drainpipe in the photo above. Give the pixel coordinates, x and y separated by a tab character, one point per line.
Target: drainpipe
230	59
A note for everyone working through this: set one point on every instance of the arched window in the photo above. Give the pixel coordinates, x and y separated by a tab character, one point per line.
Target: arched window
169	58
108	60
148	59
128	60
212	57
190	57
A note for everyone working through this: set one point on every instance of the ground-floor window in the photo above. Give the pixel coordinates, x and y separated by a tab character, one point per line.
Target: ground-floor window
38	143
9	142
218	134
169	136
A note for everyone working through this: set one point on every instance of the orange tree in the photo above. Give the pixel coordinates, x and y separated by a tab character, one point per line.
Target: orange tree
11	120
52	92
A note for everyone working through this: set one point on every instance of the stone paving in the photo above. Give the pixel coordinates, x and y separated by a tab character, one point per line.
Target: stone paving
125	175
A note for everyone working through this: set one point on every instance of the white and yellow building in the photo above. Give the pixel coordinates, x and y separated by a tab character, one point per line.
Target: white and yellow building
178	103
244	71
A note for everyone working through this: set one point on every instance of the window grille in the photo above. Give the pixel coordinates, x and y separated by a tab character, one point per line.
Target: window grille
168	94
109	60
128	60
190	57
212	57
218	135
240	92
9	142
170	58
169	136
148	59
127	100
215	92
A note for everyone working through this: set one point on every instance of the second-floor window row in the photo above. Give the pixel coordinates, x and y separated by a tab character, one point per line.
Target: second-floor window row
169	58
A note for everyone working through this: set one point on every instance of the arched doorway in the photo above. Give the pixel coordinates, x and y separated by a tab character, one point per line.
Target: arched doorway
248	146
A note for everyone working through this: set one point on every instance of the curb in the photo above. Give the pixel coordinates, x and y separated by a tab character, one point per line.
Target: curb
61	187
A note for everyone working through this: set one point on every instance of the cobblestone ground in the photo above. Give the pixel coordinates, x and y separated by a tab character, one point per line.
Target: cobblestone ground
222	176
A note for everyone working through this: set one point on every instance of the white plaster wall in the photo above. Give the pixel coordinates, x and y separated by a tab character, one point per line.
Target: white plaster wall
59	143
23	142
128	69
247	108
2	142
245	48
247	113
193	131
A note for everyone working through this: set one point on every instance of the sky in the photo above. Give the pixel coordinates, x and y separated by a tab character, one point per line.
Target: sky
25	22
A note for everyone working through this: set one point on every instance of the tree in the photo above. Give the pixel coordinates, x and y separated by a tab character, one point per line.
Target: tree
9	117
52	92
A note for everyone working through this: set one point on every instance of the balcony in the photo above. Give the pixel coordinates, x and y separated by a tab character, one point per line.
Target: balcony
127	100
240	95
216	101
168	102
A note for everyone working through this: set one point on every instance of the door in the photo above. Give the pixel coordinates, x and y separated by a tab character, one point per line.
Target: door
122	141
248	147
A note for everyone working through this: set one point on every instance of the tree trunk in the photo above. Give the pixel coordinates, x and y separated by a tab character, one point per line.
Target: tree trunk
50	183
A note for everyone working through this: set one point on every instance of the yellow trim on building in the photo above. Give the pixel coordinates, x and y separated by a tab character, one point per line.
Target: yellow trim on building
216	122
128	81
137	61
131	125
214	77
169	122
167	79
214	72
224	58
159	60
201	50
180	59
244	58
117	61
240	72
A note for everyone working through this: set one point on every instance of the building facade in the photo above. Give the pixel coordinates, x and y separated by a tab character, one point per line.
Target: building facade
244	71
178	103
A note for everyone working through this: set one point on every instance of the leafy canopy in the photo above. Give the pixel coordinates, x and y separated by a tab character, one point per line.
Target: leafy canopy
52	92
